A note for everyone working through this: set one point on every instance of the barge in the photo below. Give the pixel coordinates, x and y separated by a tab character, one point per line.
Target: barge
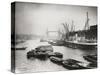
81	45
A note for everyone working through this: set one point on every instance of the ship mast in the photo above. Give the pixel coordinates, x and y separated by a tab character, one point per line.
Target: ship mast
72	26
87	22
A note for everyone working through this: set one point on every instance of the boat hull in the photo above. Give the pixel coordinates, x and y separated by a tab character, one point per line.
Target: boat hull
80	45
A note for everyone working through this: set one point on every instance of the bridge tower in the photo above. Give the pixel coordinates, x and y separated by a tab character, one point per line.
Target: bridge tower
50	32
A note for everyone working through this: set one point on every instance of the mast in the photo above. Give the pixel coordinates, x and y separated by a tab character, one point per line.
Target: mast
72	26
87	22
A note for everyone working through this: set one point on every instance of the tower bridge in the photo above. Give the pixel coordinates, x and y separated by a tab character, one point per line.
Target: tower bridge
53	34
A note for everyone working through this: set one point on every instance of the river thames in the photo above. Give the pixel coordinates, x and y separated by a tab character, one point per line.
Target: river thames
24	65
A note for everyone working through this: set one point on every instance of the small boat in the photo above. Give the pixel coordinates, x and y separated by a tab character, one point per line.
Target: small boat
17	48
36	54
41	55
58	54
40	52
73	61
91	58
57	43
94	57
72	64
56	60
31	53
92	65
50	54
55	54
20	48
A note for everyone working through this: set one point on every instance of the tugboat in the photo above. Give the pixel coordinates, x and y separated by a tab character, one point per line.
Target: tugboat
72	64
56	60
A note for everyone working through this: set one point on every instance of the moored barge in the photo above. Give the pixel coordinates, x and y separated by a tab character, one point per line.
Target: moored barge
81	45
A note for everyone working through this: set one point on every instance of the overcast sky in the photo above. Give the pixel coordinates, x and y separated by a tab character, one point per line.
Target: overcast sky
35	18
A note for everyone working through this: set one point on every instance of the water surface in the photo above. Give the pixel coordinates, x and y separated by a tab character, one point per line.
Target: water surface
24	65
